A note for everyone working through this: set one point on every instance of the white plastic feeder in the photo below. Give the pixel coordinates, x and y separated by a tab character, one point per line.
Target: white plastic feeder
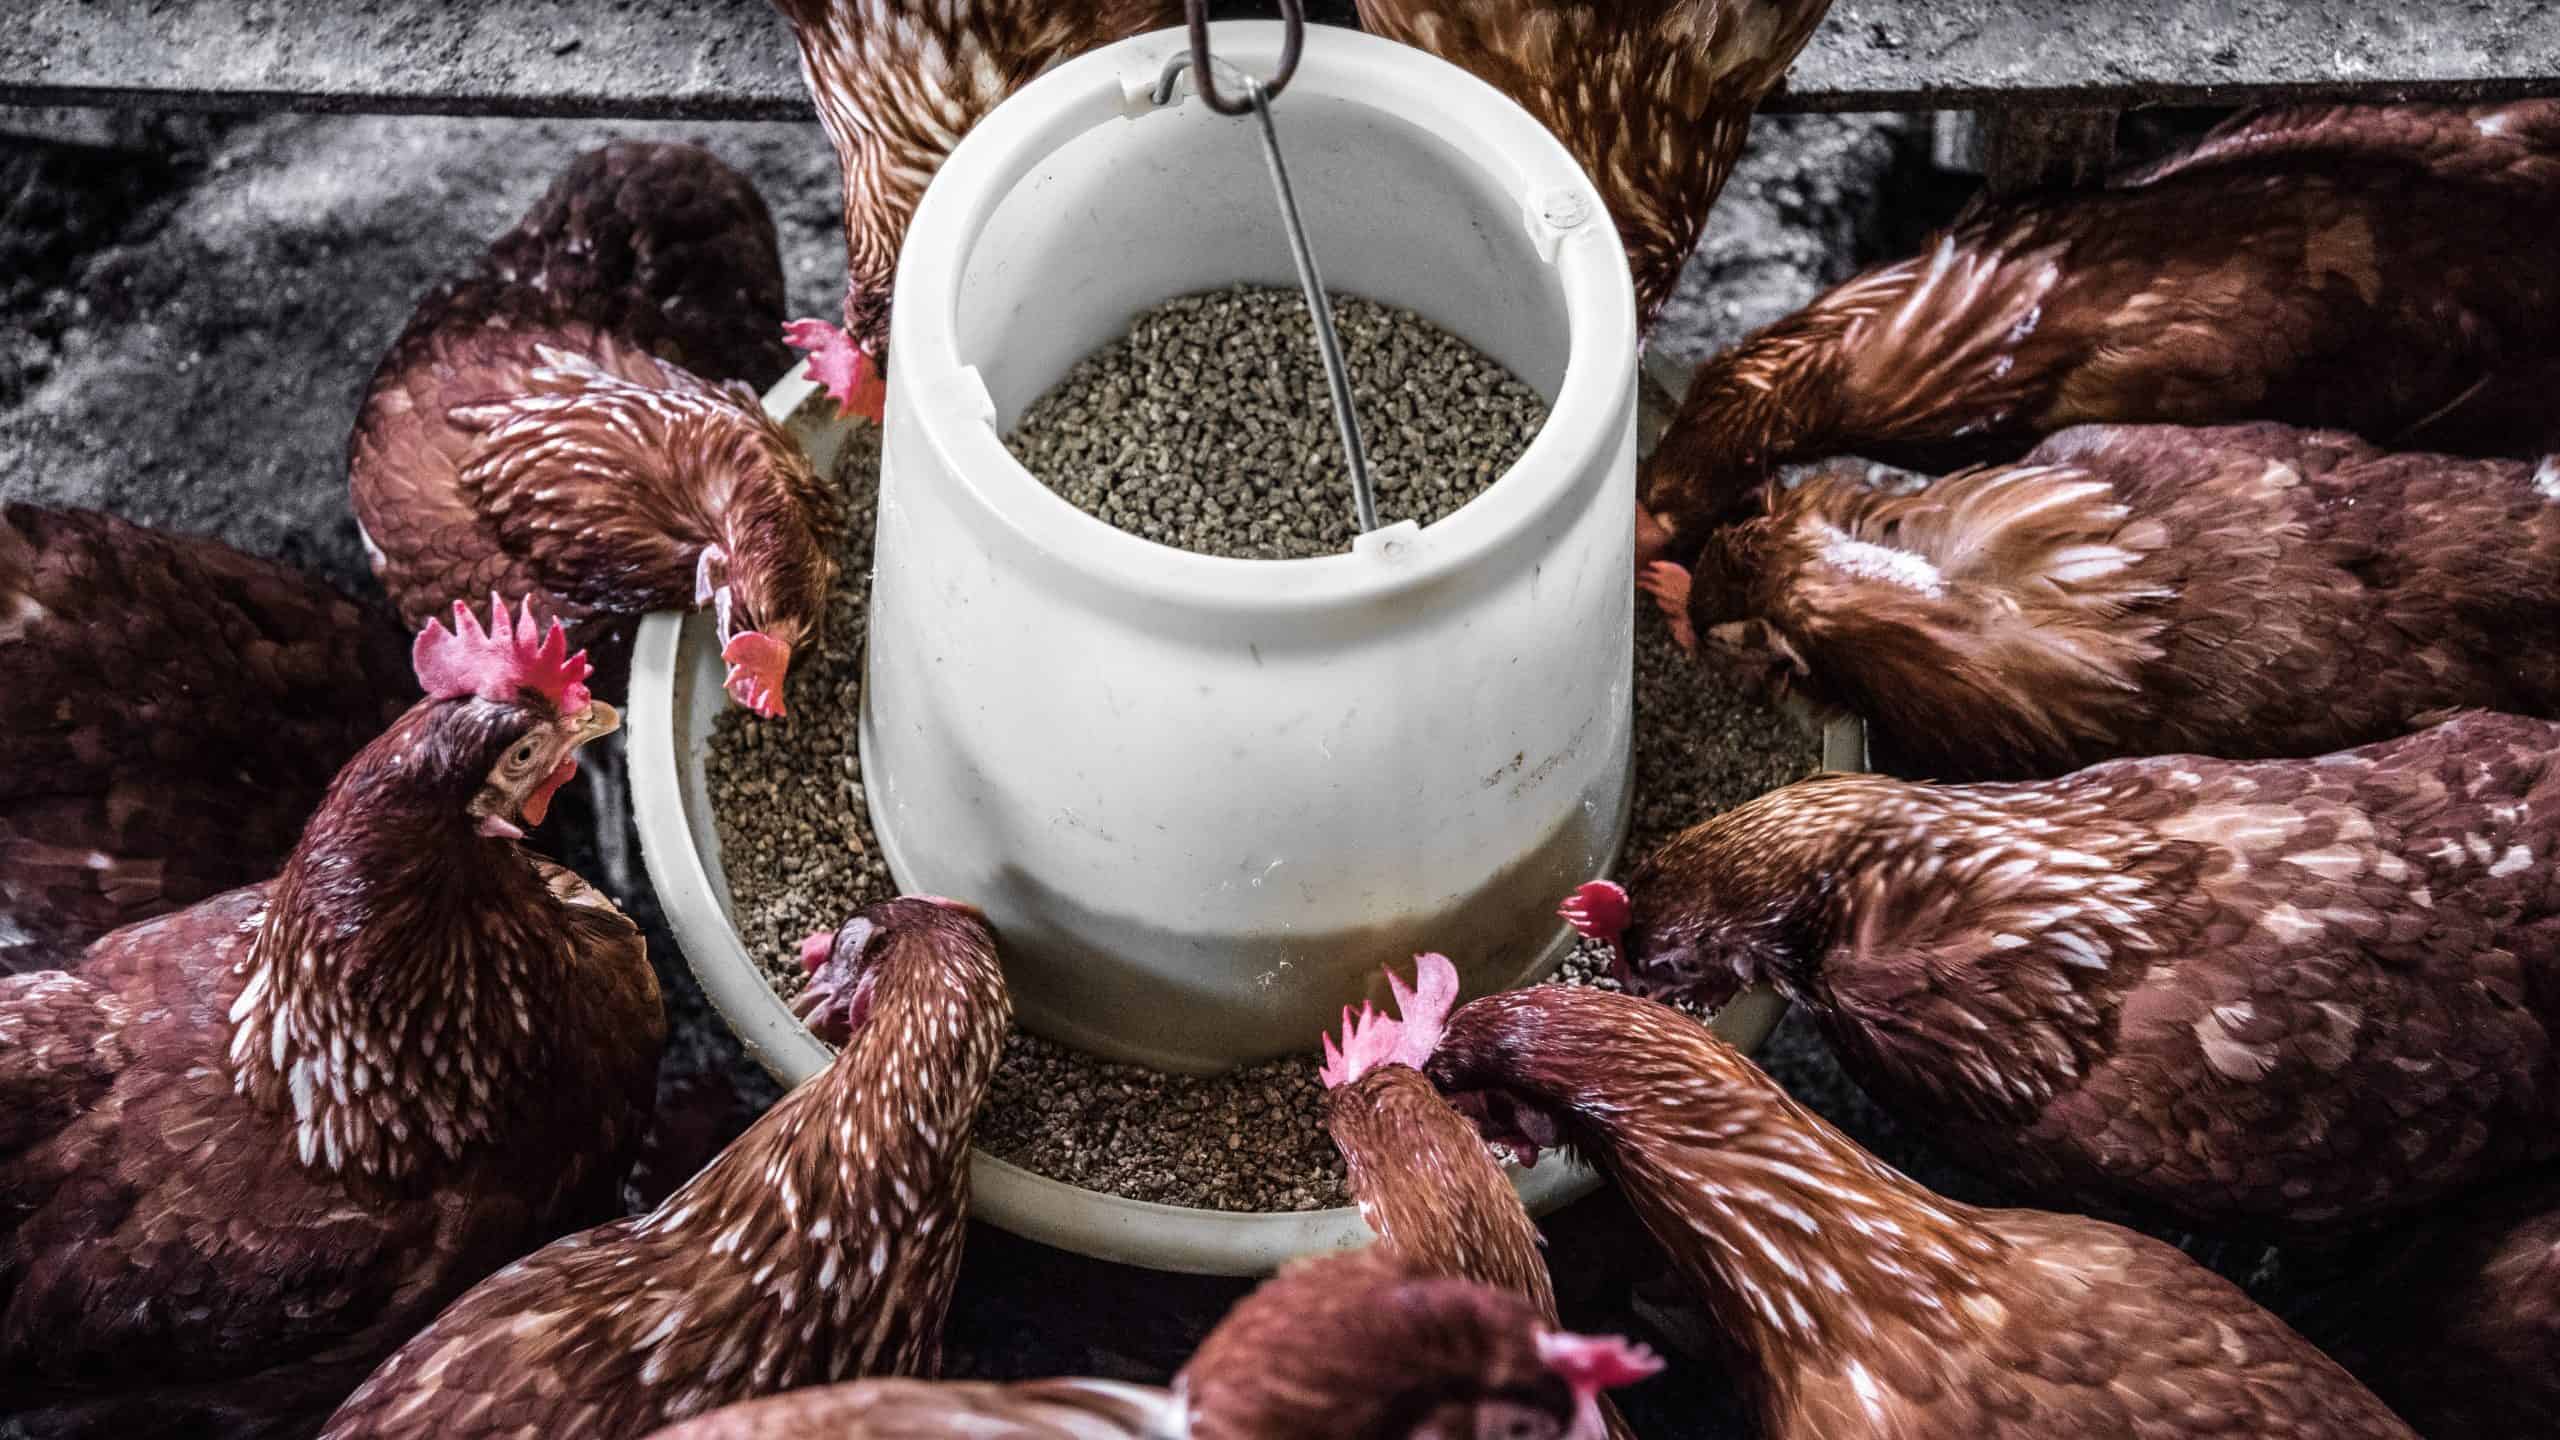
1205	799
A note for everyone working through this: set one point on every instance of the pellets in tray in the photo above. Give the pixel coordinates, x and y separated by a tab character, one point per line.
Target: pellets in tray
796	841
1208	426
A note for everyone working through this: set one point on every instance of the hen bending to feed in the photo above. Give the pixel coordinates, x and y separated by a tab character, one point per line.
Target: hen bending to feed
2285	997
820	1246
2383	269
2246	591
2455	1322
1861	1303
576	420
171	711
1421	1175
1350	1347
897	83
1652	97
248	1148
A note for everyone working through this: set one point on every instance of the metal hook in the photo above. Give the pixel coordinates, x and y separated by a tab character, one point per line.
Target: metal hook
1337	372
1293	20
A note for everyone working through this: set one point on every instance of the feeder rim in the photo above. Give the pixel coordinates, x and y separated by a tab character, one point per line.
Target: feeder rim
935	396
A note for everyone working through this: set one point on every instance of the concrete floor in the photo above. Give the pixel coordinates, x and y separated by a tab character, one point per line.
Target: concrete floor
189	308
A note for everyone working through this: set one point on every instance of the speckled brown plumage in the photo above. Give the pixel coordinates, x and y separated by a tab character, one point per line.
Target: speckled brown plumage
2456	1320
820	1246
170	712
2381	269
1434	1194
2245	590
1863	1304
898	82
1652	97
249	1147
1347	1347
2286	996
575	418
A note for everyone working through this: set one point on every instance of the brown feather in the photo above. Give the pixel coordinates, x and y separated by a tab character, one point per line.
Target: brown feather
2126	590
820	1246
249	1147
1652	97
2455	1320
558	423
171	711
2289	996
898	82
1864	1304
2377	269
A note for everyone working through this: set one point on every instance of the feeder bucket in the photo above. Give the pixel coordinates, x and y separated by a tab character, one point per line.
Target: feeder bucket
1204	799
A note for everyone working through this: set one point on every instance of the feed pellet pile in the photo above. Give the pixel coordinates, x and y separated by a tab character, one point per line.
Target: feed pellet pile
1208	426
797	844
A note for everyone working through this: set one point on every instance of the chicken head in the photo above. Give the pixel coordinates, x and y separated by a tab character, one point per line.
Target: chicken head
521	711
855	378
1365	1347
841	964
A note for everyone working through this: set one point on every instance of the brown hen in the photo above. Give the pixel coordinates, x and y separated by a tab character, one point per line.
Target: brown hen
248	1148
897	83
2135	590
2286	996
1349	1347
2383	269
171	710
2456	1321
820	1246
1652	97
1422	1177
555	423
1862	1304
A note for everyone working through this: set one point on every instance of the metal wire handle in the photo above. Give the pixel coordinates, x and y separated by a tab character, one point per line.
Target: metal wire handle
1337	373
1293	34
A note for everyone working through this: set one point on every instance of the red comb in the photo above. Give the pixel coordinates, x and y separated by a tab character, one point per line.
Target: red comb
1652	537
1370	1040
850	375
497	662
1593	1363
1668	584
1598	910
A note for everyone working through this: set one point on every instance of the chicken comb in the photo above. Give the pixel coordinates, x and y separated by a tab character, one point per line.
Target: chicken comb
497	662
1371	1040
1593	1363
1598	910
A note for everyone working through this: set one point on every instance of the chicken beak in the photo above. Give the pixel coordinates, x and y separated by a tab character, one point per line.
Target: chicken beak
593	723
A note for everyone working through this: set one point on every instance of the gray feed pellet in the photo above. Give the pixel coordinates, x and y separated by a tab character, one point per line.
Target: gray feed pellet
1207	427
796	841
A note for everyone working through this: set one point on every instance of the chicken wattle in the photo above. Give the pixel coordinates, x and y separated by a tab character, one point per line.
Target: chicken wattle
576	420
248	1148
171	711
2280	996
897	83
820	1246
2375	268
1859	1303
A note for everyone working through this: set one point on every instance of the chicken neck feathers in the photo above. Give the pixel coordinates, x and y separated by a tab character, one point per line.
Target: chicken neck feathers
1866	1305
822	1245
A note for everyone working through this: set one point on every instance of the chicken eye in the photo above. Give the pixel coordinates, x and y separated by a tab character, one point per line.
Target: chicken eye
523	754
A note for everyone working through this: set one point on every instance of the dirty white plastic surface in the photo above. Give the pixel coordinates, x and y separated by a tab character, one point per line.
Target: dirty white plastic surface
1205	799
676	700
1106	743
